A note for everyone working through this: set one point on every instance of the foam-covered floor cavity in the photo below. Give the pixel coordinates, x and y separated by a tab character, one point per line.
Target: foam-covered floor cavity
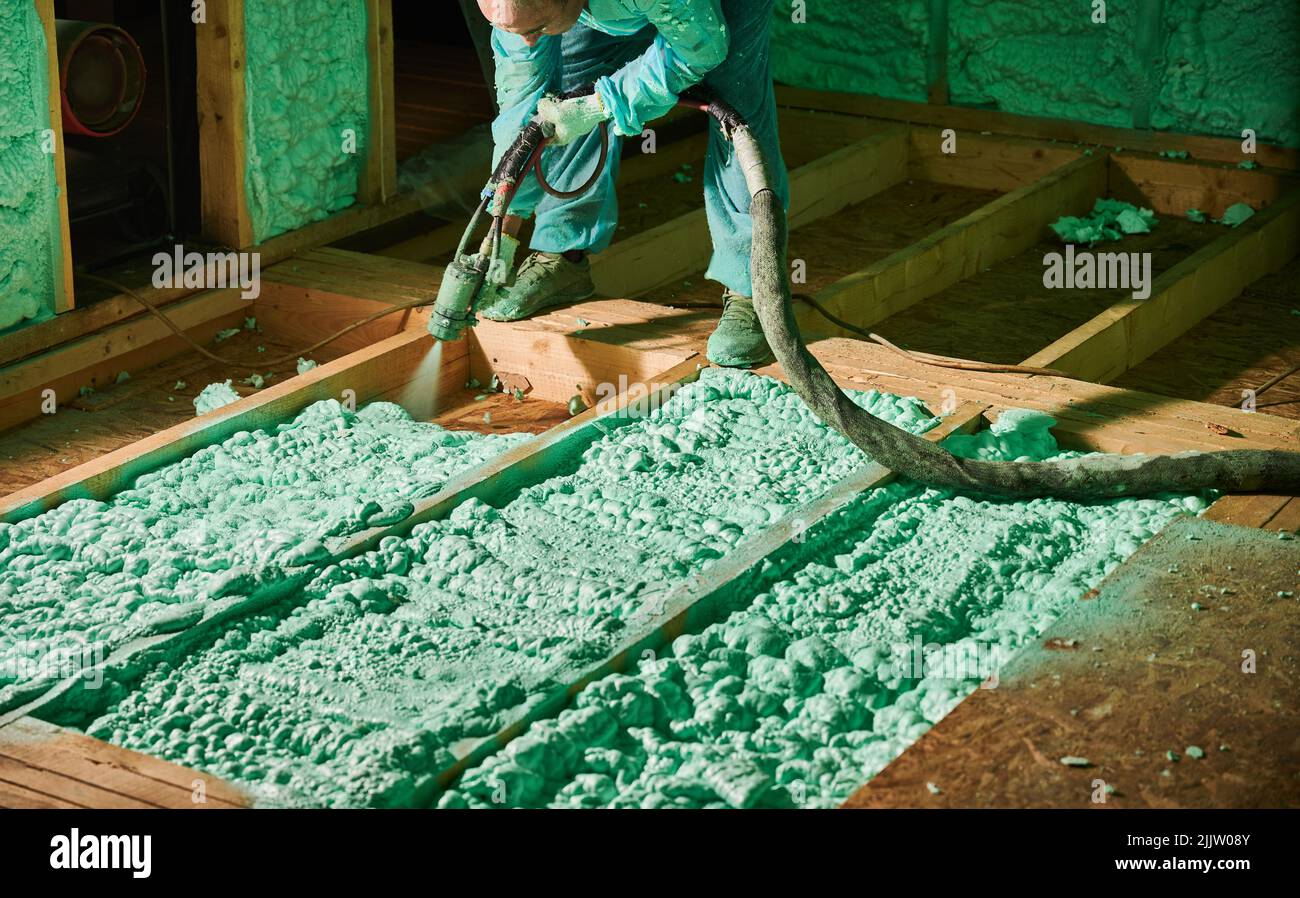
804	695
357	691
29	230
87	576
307	116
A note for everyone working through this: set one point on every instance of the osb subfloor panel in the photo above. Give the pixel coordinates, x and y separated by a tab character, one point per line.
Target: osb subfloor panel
1005	314
43	766
864	233
1129	674
500	413
1250	340
142	406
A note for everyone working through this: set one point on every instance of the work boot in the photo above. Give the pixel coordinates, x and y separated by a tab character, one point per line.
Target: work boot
544	280
738	341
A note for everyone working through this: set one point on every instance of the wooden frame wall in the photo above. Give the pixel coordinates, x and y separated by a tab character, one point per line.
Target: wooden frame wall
222	115
64	290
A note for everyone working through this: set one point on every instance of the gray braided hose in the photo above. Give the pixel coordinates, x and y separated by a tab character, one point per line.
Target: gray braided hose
1081	479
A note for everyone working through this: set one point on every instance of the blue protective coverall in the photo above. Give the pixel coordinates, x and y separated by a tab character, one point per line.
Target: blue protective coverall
641	54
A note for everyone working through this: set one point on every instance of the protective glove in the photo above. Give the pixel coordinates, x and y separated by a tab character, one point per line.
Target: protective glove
504	266
574	118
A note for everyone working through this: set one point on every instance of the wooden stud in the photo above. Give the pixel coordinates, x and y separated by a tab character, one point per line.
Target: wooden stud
1007	226
222	113
1131	331
936	61
64	288
379	177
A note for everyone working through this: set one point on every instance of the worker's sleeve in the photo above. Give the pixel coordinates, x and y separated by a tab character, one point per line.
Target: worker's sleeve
692	42
524	75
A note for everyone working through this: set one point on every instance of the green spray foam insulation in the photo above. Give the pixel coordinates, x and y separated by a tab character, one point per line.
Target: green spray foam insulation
835	48
907	600
362	687
1110	220
356	690
29	227
1201	67
307	110
87	577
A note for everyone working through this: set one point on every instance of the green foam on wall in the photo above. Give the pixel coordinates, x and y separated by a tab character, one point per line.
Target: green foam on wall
307	83
1211	66
1044	58
841	47
1229	65
29	225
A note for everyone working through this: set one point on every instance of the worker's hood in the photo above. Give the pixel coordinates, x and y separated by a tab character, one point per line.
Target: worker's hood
621	17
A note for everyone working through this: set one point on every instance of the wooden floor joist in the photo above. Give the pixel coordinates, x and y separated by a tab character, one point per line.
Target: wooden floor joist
682	247
995	232
702	597
1127	333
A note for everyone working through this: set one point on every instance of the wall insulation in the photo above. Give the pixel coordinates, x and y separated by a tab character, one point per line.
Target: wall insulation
839	47
1198	66
29	226
307	106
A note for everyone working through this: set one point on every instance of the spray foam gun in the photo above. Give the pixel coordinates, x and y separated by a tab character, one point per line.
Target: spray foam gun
469	273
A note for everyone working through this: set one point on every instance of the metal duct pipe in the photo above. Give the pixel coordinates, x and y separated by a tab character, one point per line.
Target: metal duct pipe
101	76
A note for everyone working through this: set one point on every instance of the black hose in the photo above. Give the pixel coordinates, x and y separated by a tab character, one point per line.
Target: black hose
1090	478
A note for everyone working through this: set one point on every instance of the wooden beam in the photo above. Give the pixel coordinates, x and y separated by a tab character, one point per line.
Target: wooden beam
1131	331
74	768
1007	226
984	161
1090	417
1219	149
140	342
221	108
318	293
683	247
588	349
64	289
379	177
1172	186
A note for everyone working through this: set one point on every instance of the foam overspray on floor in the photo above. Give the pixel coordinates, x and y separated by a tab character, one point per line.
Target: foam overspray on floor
357	690
87	576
